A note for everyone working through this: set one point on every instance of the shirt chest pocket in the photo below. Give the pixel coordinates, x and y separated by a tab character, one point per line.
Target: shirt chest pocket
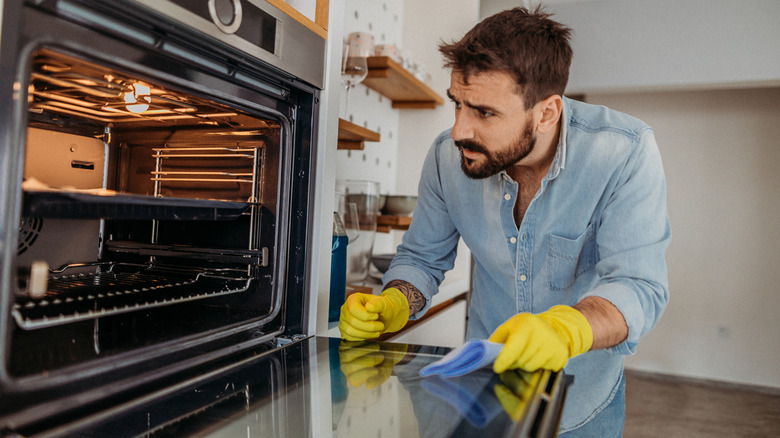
568	259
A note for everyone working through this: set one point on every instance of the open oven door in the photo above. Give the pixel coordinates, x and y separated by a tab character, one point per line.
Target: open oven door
322	387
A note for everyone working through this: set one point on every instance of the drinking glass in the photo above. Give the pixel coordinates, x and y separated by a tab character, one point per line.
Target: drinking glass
354	68
364	195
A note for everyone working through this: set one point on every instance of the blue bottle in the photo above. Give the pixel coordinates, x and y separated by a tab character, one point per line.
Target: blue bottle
338	269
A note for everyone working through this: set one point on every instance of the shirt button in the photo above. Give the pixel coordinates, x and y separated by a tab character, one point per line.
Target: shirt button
507	196
523	277
513	239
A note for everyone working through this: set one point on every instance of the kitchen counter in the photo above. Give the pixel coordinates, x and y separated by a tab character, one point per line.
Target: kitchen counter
322	387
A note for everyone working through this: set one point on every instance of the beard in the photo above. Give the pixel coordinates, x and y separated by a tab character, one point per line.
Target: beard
495	162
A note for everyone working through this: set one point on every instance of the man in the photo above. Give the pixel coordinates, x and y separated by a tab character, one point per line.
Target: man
563	206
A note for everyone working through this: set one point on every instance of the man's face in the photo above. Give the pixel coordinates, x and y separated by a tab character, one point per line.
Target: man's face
492	128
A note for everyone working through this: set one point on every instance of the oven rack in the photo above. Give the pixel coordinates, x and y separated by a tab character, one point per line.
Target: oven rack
220	255
84	296
202	167
79	205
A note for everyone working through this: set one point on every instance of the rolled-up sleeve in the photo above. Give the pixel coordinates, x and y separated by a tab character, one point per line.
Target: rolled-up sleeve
633	235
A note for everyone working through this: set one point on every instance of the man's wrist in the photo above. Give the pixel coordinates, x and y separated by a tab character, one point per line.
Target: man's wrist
413	295
608	324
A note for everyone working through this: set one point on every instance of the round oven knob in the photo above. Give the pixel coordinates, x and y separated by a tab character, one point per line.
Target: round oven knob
226	14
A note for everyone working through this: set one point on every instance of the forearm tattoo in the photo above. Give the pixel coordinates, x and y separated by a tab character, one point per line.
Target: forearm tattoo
414	296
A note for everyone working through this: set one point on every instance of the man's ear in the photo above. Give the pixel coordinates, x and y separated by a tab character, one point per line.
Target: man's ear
548	112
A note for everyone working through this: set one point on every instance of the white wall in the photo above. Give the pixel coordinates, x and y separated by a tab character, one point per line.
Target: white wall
384	20
721	155
662	44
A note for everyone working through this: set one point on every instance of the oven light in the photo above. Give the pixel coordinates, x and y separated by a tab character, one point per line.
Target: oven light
138	100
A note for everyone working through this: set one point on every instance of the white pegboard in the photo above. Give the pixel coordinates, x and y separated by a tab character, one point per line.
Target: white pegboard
369	109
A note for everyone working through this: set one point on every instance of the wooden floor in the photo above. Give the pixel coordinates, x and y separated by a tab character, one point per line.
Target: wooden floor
674	407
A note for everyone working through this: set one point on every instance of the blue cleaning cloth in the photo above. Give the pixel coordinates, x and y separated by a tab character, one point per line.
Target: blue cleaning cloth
469	395
471	356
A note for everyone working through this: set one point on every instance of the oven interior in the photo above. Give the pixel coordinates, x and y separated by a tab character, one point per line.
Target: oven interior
152	214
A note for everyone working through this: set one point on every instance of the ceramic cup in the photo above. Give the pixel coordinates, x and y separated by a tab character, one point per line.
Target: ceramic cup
391	51
362	42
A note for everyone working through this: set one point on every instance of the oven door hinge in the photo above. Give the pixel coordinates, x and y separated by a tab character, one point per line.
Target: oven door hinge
281	341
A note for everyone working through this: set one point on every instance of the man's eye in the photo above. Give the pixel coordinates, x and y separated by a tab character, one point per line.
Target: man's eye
484	114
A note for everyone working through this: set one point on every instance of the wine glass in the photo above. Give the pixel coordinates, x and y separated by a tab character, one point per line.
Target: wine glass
354	68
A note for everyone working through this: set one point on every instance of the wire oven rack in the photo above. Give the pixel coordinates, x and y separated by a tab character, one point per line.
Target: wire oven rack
119	289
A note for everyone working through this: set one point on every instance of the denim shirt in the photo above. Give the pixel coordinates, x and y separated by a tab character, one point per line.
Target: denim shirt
597	226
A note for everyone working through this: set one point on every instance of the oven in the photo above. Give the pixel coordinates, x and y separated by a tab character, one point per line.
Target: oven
157	160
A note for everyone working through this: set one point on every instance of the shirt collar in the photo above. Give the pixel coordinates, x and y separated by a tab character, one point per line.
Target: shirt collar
559	161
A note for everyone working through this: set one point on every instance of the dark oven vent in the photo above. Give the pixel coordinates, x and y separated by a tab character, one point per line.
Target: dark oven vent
123	288
28	233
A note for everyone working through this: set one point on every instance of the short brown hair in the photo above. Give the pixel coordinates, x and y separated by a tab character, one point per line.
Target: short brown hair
526	44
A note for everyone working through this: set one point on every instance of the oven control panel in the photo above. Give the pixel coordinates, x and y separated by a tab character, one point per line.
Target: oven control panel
226	14
254	27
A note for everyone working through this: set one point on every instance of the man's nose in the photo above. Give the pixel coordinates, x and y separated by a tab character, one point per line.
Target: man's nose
462	129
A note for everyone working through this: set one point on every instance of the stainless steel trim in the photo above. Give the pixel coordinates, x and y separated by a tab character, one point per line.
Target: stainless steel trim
299	51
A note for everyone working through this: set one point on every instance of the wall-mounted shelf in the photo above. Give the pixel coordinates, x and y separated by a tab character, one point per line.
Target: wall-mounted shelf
352	136
385	223
320	23
391	80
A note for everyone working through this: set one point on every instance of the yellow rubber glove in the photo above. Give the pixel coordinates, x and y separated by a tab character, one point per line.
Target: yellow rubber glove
515	390
369	363
543	341
366	316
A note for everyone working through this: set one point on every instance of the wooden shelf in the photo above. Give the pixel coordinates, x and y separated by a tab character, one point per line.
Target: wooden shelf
385	223
391	80
355	288
352	136
320	23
